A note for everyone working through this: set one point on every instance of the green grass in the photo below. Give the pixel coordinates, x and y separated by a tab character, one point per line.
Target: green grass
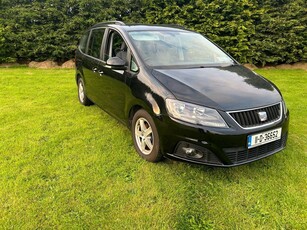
66	166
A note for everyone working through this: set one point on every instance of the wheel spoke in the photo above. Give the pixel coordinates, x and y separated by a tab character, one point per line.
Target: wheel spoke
138	133
148	132
142	123
143	145
149	143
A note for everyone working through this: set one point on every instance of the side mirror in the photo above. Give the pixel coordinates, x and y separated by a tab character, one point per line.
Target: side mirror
116	63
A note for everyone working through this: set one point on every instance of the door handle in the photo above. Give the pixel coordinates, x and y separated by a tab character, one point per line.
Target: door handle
94	69
100	73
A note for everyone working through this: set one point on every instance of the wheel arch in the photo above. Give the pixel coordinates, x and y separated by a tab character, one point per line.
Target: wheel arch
149	104
131	113
150	152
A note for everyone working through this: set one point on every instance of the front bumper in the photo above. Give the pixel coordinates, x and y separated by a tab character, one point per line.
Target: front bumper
216	146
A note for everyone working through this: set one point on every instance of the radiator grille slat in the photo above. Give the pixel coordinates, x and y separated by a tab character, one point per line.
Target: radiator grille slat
250	118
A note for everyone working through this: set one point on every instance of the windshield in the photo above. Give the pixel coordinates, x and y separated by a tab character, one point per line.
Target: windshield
173	48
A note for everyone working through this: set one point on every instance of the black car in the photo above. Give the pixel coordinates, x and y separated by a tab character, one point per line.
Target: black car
182	96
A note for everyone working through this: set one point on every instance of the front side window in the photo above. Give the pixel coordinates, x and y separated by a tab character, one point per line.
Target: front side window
116	47
176	48
133	65
95	42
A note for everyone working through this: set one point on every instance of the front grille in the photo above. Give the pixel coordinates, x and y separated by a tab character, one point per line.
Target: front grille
250	118
257	152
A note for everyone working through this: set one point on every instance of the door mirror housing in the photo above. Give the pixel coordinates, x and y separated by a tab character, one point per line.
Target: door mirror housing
116	63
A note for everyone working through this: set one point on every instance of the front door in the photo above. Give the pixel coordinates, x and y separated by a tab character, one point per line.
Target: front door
112	83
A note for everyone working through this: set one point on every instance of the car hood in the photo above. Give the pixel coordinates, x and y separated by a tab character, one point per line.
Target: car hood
225	88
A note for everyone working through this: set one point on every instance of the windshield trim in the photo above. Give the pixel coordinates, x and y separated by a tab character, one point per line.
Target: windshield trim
193	66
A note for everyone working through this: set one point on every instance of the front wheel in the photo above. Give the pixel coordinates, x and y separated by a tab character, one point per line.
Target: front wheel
145	136
84	100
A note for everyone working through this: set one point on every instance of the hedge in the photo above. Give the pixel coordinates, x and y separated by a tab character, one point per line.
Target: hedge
252	31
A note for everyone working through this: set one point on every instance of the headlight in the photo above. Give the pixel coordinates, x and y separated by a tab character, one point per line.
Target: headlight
194	114
284	106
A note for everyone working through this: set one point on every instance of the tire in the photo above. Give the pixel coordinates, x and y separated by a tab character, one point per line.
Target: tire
145	136
83	99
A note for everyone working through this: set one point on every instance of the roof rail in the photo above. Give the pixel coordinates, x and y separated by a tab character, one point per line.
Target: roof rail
109	22
164	25
173	25
115	22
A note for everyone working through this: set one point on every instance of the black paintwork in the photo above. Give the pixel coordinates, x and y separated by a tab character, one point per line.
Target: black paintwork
225	88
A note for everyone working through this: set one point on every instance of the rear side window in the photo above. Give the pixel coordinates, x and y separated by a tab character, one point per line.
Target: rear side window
95	42
83	42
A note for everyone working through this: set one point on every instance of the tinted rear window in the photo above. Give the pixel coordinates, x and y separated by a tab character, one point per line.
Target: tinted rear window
95	42
83	42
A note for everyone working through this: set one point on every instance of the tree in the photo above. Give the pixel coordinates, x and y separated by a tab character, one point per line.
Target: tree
254	31
281	33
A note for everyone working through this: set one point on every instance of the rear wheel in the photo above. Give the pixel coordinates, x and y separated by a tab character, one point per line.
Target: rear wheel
84	100
145	136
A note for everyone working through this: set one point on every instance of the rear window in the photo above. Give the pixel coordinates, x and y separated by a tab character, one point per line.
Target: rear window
95	42
83	42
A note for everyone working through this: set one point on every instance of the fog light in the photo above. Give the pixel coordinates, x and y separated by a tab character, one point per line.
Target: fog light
193	153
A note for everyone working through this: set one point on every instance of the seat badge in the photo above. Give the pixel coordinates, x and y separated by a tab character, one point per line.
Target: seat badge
262	116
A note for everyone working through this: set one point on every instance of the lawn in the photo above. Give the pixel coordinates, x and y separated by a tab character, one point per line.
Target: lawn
66	166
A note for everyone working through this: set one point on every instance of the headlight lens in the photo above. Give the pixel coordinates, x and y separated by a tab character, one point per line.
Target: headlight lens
194	113
284	106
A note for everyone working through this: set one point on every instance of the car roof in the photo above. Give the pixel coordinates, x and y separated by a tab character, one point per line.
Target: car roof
135	27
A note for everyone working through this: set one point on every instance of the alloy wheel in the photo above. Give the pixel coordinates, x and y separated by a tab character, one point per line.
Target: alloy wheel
144	136
81	92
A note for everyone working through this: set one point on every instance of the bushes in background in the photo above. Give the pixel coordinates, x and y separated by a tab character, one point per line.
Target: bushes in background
253	31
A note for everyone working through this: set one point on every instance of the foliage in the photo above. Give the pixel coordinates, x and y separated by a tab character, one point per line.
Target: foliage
229	23
67	166
254	31
281	34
